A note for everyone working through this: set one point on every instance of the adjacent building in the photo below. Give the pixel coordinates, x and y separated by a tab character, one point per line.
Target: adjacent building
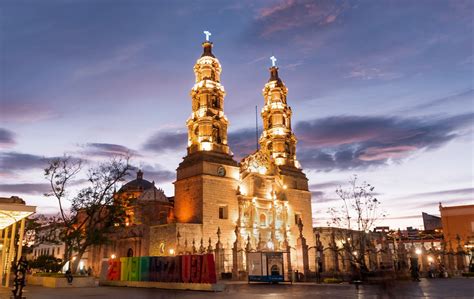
458	224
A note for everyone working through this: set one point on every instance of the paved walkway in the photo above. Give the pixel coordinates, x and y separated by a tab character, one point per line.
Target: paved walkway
436	288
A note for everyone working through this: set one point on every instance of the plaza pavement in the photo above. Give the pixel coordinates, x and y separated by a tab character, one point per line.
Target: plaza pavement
427	288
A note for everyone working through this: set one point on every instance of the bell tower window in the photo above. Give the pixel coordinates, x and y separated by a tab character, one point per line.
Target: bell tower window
223	213
263	220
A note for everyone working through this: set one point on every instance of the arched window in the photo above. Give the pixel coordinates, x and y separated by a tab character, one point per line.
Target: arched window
196	131
215	102
130	252
216	135
263	220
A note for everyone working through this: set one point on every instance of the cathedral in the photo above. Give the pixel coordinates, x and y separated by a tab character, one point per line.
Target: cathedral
258	202
261	203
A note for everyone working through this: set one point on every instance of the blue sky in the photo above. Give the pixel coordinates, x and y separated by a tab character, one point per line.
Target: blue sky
383	89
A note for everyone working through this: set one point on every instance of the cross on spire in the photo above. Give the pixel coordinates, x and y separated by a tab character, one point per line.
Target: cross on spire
273	59
207	33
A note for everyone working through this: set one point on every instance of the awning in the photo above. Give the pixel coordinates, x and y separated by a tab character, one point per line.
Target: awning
13	212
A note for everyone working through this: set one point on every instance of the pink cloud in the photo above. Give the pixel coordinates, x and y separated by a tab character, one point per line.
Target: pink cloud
23	112
268	11
383	153
290	14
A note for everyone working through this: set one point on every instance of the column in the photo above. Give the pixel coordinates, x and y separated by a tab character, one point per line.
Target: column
4	252
20	239
11	251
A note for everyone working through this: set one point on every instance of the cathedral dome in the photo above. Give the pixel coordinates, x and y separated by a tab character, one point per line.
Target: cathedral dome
139	184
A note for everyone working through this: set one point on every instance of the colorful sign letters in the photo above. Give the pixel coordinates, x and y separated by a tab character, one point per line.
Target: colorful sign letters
181	269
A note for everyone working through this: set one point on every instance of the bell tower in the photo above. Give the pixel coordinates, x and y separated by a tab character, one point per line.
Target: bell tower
207	178
274	198
207	126
277	139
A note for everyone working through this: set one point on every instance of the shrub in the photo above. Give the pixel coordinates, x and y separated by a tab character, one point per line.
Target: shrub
47	263
332	280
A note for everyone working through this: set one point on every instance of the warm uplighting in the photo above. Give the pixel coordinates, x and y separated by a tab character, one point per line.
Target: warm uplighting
262	170
171	251
279	131
270	245
206	146
74	258
243	190
297	164
354	253
430	259
285	187
113	256
418	251
280	161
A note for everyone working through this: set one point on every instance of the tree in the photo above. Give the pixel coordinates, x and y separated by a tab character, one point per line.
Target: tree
46	263
40	229
355	218
92	215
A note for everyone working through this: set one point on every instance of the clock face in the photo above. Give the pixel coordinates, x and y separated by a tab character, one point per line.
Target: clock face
221	171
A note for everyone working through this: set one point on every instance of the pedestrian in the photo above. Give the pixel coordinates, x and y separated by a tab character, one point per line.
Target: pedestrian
432	271
414	269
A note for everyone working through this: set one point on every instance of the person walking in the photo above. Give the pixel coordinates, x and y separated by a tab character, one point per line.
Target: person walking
415	270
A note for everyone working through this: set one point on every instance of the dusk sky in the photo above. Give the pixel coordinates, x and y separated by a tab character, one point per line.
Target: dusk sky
382	89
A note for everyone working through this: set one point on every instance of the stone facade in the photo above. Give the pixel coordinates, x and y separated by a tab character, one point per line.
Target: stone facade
222	206
257	204
145	206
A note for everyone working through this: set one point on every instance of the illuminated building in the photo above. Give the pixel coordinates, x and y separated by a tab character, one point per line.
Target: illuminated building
256	204
458	224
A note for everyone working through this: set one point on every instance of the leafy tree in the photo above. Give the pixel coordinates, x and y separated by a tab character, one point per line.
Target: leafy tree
46	263
92	214
355	218
40	229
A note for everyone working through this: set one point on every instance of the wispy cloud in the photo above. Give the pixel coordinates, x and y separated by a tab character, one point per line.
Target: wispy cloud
292	14
321	197
18	161
33	189
7	138
156	173
123	56
25	112
440	194
326	185
166	140
371	73
106	150
351	142
444	201
465	97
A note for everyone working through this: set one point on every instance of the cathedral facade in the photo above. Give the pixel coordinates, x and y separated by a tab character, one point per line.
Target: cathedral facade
260	204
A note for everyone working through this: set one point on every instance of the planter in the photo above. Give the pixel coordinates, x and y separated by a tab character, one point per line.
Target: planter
34	280
61	282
